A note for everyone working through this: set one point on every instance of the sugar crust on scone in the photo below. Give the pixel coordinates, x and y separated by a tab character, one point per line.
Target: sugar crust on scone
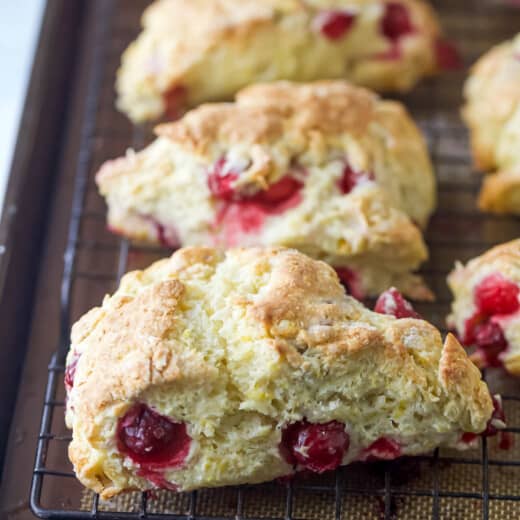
503	260
206	50
238	345
492	113
310	132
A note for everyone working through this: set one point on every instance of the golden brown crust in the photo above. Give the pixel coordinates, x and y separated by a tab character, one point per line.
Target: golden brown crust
304	307
502	254
150	315
309	132
257	339
266	113
209	49
492	113
500	192
460	376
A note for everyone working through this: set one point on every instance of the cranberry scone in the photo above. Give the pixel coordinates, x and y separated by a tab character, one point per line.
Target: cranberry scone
194	51
492	113
486	308
325	167
212	369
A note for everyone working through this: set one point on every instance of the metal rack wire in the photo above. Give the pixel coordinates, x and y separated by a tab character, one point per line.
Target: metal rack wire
479	483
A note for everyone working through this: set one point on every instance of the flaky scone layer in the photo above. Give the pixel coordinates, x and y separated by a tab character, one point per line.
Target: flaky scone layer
492	113
237	346
194	51
274	132
503	260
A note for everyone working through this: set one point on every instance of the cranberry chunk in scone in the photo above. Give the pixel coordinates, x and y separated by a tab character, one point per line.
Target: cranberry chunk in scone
221	178
494	296
70	371
315	447
351	281
243	213
392	302
152	440
382	449
486	307
334	25
351	178
396	21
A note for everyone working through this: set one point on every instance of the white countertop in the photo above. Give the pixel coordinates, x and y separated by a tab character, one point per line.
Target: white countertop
19	30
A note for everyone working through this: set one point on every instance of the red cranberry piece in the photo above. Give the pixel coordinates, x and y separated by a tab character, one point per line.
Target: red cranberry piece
497	423
220	183
167	238
470	325
496	295
278	192
498	418
243	217
70	372
166	235
247	215
174	101
350	179
351	281
316	447
382	449
396	21
506	440
334	24
152	440
468	437
487	336
448	57
391	302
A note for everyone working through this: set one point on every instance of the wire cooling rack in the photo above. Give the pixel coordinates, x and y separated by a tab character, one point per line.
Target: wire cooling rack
480	483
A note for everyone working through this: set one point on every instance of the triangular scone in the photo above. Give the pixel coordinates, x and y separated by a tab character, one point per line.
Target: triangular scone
492	112
194	51
492	109
326	168
486	308
210	369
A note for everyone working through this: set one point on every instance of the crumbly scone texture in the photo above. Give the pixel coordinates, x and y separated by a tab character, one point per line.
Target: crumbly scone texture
505	260
238	345
492	113
206	50
309	131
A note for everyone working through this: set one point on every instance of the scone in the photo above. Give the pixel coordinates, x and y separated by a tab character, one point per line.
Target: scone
325	167
194	51
492	112
486	308
212	369
501	192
